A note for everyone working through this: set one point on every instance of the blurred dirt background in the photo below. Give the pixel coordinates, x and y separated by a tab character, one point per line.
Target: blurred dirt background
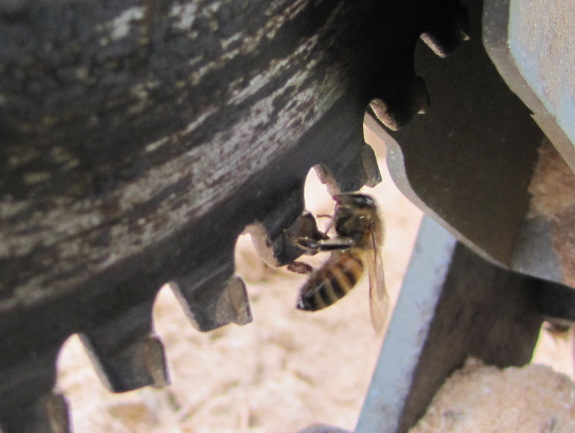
285	370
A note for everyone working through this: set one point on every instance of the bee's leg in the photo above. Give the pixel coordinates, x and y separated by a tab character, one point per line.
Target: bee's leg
300	268
304	234
333	244
308	245
314	246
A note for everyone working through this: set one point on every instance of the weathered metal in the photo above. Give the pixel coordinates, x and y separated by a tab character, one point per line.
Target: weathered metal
494	181
482	167
533	48
140	138
453	305
469	161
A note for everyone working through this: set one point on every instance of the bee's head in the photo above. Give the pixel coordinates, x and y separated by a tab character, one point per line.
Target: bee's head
355	214
354	200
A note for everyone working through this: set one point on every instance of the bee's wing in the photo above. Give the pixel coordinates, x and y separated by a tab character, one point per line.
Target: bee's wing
378	298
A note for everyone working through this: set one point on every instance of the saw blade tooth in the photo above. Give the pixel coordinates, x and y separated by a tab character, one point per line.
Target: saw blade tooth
351	170
269	233
238	301
215	297
125	351
27	384
46	414
446	31
397	109
370	166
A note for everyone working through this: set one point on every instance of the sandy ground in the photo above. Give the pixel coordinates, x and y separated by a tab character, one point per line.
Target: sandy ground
286	370
485	399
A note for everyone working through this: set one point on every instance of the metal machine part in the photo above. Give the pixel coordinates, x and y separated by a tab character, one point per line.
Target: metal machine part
533	48
502	189
139	139
534	51
453	304
481	166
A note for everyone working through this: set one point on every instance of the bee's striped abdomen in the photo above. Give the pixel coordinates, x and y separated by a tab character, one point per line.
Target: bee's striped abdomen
332	281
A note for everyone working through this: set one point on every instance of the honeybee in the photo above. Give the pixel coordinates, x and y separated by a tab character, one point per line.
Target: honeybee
359	231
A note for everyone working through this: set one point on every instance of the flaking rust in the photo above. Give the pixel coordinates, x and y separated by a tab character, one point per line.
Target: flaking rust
551	188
